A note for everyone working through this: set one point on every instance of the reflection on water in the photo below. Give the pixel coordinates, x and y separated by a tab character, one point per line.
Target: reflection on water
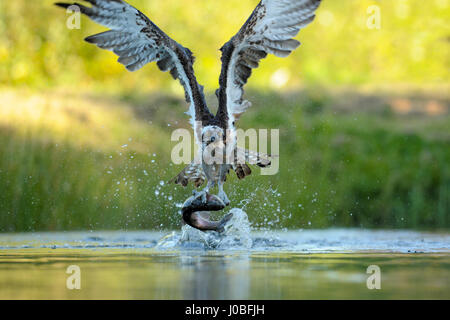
320	264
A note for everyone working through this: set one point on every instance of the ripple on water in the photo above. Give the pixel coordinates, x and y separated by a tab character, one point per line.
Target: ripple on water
238	235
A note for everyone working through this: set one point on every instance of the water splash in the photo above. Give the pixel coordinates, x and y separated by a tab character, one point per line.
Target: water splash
235	236
237	230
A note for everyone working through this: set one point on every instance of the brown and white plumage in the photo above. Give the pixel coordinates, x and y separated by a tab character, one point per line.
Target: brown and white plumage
137	41
193	172
269	30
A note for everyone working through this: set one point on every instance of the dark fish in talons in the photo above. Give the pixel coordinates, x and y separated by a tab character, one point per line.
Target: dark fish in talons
193	213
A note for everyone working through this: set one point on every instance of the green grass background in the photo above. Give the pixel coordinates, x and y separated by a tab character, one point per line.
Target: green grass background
363	119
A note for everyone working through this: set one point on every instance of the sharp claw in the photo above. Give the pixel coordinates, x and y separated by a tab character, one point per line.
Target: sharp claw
224	198
201	194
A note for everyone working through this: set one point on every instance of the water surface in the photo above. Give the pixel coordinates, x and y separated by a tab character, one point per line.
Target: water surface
303	264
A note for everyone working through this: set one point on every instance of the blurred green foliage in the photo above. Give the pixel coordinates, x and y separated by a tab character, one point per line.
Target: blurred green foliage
411	46
85	144
77	162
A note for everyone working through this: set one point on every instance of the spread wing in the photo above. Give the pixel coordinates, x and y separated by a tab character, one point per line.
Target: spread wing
138	41
270	29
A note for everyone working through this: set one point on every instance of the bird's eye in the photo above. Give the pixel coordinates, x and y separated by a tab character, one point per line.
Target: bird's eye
213	139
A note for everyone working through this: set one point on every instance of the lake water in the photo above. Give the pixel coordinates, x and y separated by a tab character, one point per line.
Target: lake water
302	264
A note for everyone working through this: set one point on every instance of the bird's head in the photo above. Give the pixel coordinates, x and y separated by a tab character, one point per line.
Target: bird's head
212	135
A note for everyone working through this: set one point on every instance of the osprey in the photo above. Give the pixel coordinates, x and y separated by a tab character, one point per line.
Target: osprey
137	41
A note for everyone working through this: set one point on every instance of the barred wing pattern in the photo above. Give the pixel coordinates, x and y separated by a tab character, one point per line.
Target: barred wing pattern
191	173
138	41
270	29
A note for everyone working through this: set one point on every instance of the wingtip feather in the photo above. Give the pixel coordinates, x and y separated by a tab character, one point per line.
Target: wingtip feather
62	4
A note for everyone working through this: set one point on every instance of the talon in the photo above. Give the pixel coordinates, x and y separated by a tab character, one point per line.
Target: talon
202	195
224	198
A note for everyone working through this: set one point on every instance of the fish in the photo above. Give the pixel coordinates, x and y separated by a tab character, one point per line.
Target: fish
195	212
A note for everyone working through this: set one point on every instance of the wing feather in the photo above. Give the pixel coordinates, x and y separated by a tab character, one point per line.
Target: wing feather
269	30
138	41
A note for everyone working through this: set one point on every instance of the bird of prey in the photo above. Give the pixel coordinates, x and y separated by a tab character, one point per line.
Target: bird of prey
270	29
